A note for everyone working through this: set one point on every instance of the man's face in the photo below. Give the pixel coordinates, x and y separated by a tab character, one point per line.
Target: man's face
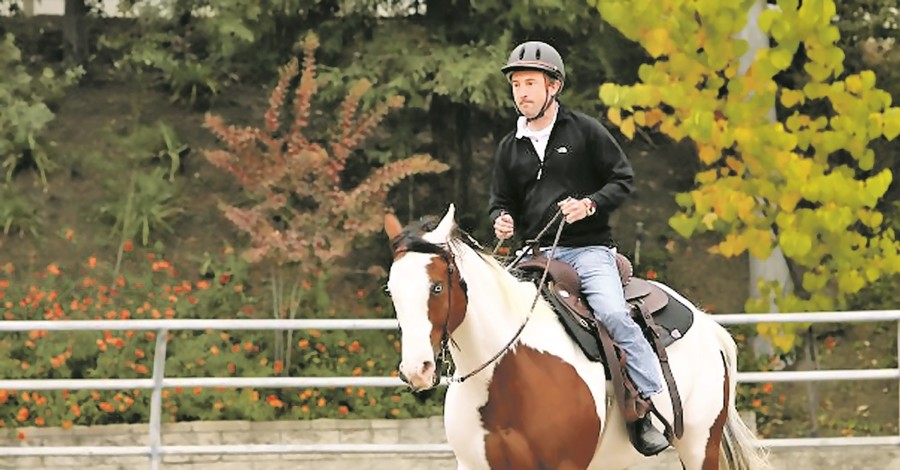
530	89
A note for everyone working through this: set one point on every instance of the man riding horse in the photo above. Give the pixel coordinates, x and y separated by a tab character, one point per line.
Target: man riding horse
560	160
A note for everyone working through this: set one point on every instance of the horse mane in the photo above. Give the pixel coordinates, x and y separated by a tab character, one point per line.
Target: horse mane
510	284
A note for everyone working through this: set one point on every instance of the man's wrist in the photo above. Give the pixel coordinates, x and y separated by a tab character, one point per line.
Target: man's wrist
590	205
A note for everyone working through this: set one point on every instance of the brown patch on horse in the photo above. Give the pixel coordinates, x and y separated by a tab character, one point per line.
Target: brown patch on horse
540	414
713	445
440	306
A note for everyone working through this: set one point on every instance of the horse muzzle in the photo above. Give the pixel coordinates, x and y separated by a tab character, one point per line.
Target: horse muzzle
419	377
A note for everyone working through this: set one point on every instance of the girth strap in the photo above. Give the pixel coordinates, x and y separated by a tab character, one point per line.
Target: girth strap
655	335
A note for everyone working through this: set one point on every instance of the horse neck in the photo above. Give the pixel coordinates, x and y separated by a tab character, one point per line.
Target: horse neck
498	305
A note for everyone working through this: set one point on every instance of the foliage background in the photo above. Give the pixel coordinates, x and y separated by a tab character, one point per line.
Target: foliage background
125	180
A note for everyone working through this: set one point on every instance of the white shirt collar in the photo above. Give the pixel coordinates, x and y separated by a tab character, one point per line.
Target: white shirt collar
522	129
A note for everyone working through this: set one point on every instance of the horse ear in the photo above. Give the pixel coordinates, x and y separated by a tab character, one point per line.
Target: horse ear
392	225
442	233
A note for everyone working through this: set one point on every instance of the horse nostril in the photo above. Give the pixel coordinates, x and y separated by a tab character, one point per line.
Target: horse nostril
427	367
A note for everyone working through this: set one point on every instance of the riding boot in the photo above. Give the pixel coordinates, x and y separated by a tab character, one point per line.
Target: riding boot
645	438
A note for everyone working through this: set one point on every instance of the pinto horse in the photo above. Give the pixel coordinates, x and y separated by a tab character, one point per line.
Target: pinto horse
524	396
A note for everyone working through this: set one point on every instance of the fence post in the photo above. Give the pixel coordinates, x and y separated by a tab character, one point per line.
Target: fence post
159	372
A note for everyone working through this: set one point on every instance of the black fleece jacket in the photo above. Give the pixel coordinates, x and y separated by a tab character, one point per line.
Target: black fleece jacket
582	160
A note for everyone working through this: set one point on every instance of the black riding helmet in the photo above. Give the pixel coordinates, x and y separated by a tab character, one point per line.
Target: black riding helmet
541	57
536	55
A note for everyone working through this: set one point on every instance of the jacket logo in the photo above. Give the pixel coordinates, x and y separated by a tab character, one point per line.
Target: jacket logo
562	149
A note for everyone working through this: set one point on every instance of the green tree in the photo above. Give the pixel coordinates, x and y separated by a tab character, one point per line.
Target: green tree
807	177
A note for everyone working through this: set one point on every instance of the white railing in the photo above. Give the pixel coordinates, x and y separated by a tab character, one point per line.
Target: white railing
155	450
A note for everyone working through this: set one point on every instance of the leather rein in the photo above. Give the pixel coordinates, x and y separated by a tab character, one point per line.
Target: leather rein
446	339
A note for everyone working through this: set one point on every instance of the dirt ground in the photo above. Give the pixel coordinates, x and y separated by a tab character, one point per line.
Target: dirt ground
714	283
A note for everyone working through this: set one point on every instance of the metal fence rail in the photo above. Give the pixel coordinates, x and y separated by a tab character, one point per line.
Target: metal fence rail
155	450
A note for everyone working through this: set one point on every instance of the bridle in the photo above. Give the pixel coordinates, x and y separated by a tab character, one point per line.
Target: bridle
419	245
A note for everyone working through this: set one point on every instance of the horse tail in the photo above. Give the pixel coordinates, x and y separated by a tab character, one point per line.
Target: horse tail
739	444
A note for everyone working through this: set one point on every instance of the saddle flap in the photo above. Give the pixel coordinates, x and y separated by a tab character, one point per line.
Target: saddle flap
640	291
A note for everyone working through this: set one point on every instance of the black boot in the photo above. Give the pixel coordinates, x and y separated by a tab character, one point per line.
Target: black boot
646	438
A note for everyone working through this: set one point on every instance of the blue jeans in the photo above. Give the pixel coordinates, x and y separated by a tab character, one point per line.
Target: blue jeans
601	285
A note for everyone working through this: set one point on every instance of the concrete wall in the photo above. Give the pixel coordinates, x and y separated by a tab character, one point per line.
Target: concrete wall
427	431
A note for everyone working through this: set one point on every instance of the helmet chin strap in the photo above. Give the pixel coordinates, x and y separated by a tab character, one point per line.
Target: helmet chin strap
547	102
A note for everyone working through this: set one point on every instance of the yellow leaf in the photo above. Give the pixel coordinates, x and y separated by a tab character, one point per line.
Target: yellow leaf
627	127
788	200
640	118
706	177
657	42
614	115
854	83
707	154
794	244
709	219
892	123
653	117
784	341
790	98
733	245
735	165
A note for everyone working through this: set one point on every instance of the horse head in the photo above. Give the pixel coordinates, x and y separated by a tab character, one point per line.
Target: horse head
428	293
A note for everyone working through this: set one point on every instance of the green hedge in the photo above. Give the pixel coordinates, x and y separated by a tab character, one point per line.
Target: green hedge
148	287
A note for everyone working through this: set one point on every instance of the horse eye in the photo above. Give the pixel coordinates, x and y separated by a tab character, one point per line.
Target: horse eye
436	288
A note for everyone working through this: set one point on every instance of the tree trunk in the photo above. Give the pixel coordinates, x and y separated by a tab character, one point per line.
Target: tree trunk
75	32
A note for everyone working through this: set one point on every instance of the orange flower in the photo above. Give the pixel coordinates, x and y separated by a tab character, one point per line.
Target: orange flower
651	274
757	403
4	396
197	390
303	343
321	403
304	409
22	415
107	407
92	262
272	400
70	234
203	285
214	350
231	367
66	424
141	369
357	372
218	405
278	367
76	411
767	388
128	246
39	421
342	410
139	353
53	269
354	347
21	436
248	346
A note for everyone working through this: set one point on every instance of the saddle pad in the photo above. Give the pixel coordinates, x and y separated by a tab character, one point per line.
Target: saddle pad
674	321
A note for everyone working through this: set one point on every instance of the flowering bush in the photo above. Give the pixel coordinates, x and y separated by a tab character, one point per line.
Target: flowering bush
151	287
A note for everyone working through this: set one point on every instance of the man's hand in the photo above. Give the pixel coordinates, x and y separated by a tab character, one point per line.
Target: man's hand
503	226
575	209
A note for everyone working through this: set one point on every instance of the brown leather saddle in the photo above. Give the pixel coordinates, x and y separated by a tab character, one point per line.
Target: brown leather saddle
662	318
